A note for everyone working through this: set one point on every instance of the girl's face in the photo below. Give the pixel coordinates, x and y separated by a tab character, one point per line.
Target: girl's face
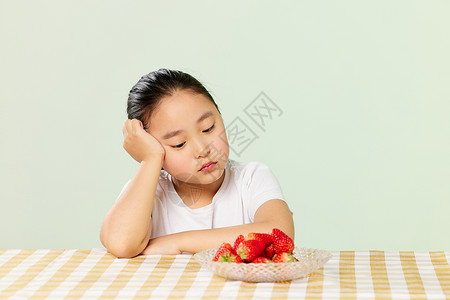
191	130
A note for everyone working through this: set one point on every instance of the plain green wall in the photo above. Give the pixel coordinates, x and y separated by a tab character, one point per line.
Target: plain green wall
361	149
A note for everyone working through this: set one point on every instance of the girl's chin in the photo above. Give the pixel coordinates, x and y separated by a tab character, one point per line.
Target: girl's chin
202	178
208	178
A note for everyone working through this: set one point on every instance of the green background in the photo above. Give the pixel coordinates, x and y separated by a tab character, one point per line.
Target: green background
361	149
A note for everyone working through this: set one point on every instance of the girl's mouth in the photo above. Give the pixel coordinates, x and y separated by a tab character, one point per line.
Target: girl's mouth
208	166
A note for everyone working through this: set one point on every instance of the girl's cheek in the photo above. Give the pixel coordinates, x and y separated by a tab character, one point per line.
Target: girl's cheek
168	160
221	149
221	139
175	159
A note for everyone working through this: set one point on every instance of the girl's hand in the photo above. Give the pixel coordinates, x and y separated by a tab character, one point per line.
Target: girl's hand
140	144
165	245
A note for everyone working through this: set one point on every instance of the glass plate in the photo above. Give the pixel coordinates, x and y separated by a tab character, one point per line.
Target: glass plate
309	261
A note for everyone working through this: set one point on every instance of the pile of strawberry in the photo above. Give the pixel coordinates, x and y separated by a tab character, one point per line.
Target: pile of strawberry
275	247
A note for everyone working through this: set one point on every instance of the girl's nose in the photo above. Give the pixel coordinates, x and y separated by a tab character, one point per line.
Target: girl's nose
202	148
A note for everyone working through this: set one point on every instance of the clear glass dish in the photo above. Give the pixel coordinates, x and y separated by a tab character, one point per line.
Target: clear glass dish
309	260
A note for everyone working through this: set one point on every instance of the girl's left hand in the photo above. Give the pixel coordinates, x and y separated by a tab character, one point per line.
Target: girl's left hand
166	244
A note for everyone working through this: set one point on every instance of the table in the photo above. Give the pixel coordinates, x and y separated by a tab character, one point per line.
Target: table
94	273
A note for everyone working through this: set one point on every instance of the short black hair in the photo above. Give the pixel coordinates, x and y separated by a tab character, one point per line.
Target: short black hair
145	95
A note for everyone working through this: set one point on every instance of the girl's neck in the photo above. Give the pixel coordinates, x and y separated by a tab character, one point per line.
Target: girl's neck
197	195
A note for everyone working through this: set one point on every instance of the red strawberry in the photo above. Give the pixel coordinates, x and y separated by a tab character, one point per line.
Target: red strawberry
265	237
230	257
261	260
269	252
249	250
281	241
284	257
223	250
239	239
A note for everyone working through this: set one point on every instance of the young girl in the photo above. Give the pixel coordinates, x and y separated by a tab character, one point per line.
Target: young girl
186	195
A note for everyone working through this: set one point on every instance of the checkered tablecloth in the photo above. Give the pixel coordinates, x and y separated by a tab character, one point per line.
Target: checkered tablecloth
96	274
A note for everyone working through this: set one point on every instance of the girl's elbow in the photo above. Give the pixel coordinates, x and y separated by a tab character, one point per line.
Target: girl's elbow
123	248
123	251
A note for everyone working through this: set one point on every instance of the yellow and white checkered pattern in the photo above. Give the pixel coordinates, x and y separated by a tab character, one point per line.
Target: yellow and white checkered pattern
97	274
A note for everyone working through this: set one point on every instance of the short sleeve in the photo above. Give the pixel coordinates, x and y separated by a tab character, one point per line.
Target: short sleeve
262	186
124	187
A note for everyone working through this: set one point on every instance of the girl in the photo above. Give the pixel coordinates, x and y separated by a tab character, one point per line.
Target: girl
186	195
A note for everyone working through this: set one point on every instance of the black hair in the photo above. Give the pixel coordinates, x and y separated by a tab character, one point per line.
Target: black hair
145	95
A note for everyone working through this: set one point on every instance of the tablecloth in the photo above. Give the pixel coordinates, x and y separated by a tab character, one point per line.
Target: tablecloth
94	273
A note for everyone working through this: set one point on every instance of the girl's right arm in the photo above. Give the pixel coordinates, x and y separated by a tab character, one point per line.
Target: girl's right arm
127	227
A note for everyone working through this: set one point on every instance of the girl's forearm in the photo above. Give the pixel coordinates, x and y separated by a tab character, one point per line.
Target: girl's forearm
199	240
126	228
272	214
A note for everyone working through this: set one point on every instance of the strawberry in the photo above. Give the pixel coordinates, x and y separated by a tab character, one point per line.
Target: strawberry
269	252
239	239
261	260
224	249
265	237
249	250
284	257
281	241
230	257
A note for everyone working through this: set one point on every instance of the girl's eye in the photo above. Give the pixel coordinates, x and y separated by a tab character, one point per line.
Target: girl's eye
182	144
209	129
179	145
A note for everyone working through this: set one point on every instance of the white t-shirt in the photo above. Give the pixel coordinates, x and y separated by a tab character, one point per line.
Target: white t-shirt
246	186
